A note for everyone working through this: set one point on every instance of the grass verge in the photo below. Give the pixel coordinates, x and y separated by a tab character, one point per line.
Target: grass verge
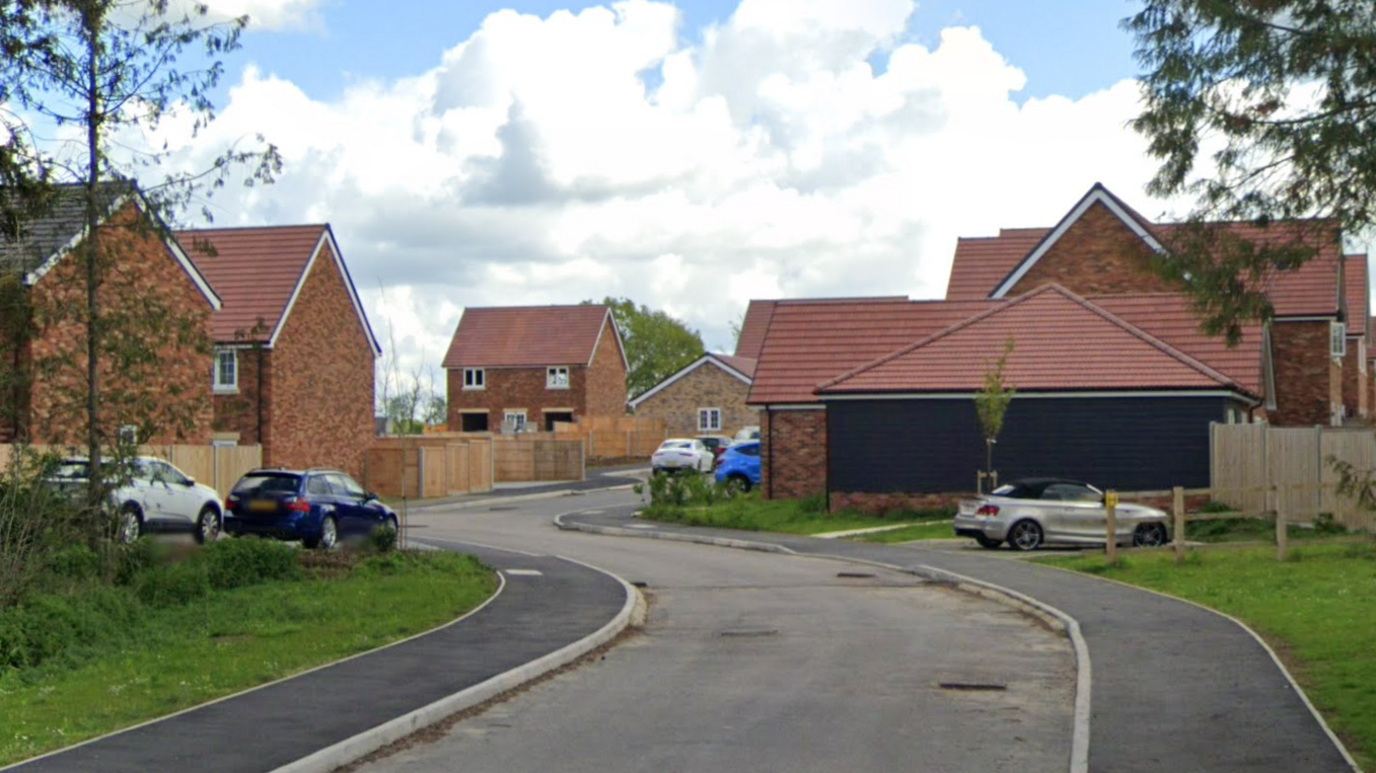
941	529
150	647
1254	530
802	516
1317	609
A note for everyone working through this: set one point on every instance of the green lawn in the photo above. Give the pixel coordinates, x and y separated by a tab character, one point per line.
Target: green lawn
171	657
750	513
1251	530
1318	609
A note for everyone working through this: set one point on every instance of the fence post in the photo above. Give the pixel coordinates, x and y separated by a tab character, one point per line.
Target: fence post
1282	535
1111	527
1178	510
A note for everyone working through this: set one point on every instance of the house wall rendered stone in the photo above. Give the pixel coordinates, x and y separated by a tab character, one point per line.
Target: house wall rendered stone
706	387
1097	255
793	453
320	408
141	276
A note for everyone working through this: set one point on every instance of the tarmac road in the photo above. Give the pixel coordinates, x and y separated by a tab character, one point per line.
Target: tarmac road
763	662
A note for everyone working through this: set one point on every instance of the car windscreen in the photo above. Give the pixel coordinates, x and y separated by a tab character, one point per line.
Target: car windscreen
267	484
674	444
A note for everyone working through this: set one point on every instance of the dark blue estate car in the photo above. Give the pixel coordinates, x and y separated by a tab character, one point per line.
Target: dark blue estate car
739	466
318	507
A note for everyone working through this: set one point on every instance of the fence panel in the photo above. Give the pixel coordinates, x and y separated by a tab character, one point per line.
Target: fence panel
434	471
480	466
1251	458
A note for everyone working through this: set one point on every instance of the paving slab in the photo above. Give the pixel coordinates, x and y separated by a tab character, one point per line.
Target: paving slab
1175	687
547	603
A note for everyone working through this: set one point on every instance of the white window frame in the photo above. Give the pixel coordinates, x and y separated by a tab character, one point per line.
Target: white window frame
474	379
221	386
1337	339
553	378
515	413
709	420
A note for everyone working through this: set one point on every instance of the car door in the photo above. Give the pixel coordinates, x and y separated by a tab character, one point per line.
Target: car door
370	512
354	516
322	496
1079	512
181	501
145	488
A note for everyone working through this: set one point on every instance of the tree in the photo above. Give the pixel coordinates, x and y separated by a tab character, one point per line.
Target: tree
112	70
657	345
991	403
1281	97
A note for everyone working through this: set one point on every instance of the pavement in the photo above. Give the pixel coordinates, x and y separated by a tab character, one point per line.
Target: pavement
549	612
596	479
1171	685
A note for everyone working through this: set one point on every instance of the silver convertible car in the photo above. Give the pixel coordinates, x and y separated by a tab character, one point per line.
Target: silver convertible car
1030	512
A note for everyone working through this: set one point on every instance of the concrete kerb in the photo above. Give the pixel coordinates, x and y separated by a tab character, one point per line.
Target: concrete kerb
1058	620
351	749
475	503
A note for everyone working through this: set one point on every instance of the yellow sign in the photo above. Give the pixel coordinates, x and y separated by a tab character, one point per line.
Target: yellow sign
1110	499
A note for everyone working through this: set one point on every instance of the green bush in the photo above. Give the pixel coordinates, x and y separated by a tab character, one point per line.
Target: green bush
813	503
1214	506
173	584
237	563
383	539
46	626
76	562
1325	523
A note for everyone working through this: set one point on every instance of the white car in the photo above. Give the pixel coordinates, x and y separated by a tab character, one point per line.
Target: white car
677	454
156	497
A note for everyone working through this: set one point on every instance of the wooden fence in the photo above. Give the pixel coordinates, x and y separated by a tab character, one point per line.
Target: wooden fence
435	465
614	437
1251	462
536	458
219	467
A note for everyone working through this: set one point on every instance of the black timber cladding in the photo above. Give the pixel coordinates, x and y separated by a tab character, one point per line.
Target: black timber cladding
935	445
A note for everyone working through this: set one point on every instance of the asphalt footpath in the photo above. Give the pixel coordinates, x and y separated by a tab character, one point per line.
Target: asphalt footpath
1174	687
547	604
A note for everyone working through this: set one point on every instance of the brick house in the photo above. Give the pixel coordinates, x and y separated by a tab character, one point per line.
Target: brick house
151	291
1357	397
294	353
530	366
705	398
1289	371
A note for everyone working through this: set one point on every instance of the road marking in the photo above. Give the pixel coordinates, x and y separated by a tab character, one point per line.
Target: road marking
524	572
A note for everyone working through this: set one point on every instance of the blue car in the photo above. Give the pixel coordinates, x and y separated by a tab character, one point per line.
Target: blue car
739	466
319	507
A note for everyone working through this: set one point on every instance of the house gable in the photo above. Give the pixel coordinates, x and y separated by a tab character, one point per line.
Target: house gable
328	245
1100	246
705	360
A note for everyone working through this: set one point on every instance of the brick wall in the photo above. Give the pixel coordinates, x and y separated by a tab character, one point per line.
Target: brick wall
1099	254
321	405
1308	383
606	388
238	411
1354	379
515	389
706	387
793	453
890	504
150	304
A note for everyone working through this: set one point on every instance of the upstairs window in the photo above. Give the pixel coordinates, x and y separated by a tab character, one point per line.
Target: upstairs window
1337	339
474	378
226	375
557	377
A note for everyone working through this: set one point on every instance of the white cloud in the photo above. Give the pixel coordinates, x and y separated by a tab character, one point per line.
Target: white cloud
592	154
267	14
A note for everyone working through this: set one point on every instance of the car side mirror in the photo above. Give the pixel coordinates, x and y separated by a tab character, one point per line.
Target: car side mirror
370	497
189	482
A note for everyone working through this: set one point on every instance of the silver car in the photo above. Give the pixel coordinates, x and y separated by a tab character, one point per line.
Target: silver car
1034	511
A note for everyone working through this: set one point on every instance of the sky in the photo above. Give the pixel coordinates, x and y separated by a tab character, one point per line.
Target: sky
690	155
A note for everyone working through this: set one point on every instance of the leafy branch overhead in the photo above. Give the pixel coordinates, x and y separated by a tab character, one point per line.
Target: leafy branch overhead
1264	113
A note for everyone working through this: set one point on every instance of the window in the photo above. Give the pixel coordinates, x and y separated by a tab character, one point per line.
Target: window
514	421
1337	339
709	419
226	370
557	377
1070	492
474	378
343	485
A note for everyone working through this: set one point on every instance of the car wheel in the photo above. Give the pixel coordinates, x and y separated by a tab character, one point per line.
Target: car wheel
737	484
1149	535
207	525
1025	535
130	524
391	524
988	543
329	536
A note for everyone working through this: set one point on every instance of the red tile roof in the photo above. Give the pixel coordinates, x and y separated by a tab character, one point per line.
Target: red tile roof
526	336
744	365
1063	342
1168	316
255	271
1358	295
753	327
982	263
812	341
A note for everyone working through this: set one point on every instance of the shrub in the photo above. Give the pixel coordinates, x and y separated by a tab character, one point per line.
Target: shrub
173	584
1325	523
76	562
238	563
47	626
383	539
813	503
1214	506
